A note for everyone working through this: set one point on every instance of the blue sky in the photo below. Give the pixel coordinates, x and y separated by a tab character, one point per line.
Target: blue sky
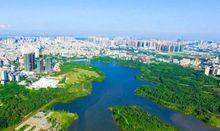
188	19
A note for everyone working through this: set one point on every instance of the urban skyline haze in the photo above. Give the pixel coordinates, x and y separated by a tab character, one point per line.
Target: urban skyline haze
169	19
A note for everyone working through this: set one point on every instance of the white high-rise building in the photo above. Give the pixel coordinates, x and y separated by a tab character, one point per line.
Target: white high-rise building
11	77
37	52
207	70
18	77
4	75
13	68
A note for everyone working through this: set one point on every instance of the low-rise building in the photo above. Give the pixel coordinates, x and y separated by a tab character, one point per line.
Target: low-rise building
185	62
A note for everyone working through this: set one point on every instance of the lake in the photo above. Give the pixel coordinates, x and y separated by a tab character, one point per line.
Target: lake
118	88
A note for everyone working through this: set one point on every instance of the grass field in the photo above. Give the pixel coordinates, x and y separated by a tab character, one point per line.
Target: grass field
62	119
80	75
77	80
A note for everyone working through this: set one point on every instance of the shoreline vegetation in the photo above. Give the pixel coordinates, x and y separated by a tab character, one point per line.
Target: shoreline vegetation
181	89
18	103
65	119
132	118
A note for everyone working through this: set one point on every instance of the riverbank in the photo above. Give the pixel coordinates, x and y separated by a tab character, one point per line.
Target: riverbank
61	120
132	118
48	120
181	89
77	83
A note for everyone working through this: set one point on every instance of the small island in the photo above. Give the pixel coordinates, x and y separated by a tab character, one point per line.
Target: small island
132	118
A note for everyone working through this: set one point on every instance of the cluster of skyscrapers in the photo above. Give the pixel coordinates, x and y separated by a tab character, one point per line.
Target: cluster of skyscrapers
161	46
212	67
39	63
11	75
31	62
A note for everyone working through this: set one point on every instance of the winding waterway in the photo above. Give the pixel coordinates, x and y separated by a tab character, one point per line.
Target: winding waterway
118	89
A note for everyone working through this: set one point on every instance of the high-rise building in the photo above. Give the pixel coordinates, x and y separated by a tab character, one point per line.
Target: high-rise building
13	68
38	52
11	77
1	63
39	65
207	70
216	71
48	65
161	46
29	61
18	77
4	75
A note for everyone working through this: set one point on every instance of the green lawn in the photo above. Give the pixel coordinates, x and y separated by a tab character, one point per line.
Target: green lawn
64	119
80	75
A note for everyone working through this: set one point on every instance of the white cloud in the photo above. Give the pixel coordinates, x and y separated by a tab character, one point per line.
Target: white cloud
4	26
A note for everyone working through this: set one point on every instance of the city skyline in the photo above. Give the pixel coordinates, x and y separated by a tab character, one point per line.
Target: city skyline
109	65
161	19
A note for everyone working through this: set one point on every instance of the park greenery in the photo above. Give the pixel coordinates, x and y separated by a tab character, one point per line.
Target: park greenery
18	103
132	118
61	120
182	89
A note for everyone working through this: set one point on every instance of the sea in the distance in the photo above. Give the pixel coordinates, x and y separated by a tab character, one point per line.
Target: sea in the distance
118	88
